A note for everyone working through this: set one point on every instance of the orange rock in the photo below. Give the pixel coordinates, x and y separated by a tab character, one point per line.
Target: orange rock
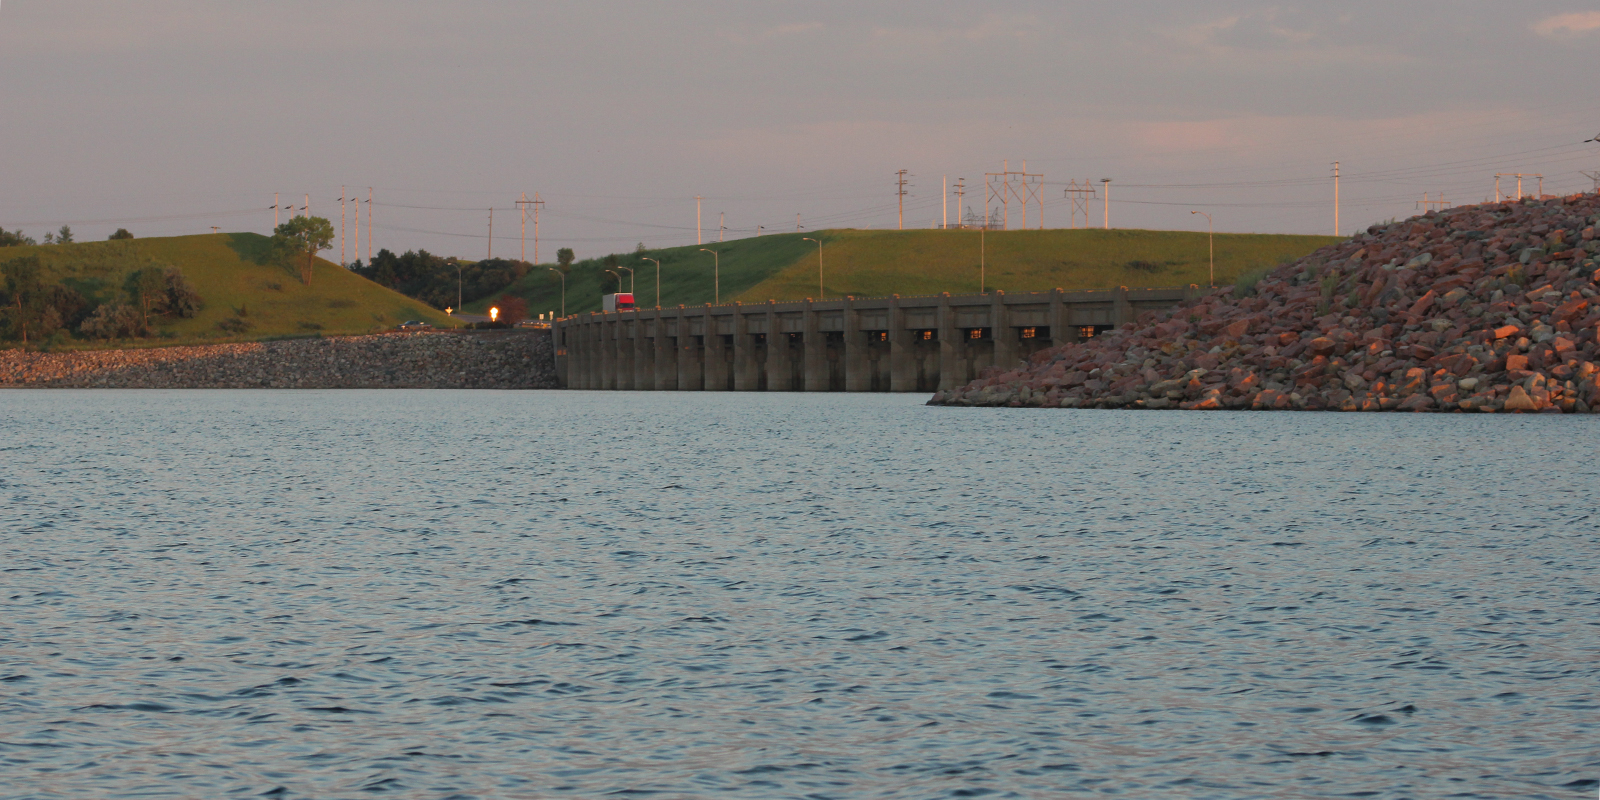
1516	361
1519	400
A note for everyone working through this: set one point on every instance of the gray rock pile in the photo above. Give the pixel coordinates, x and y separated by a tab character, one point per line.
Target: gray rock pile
1474	309
438	360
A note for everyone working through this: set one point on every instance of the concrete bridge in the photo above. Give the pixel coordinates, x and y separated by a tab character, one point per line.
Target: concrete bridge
872	344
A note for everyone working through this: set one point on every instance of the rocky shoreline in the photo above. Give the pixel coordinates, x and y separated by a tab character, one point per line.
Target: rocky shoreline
1488	308
434	360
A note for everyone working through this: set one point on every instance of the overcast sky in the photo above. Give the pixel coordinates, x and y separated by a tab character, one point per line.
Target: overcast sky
171	116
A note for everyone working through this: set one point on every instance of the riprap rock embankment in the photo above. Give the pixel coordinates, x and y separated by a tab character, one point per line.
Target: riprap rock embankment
1479	308
487	360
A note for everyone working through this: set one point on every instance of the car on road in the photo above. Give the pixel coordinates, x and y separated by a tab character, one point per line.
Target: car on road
414	325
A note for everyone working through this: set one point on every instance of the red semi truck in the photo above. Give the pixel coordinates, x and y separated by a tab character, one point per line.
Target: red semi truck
621	301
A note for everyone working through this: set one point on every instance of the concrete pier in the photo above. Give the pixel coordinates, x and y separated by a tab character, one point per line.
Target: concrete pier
856	344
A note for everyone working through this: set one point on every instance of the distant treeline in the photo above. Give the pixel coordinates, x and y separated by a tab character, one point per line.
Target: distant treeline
17	238
433	279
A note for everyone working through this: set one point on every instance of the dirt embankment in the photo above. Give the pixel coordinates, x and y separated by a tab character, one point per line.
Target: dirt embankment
1479	308
499	360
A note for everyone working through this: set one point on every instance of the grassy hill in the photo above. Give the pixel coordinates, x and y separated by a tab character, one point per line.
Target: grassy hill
237	279
870	263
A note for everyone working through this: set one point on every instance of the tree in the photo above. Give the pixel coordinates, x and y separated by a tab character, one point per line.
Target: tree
180	299
25	293
15	238
65	235
111	321
122	233
147	289
304	237
513	309
564	258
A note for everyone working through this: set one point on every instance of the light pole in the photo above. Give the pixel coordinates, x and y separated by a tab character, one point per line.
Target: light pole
658	279
1210	245
563	289
616	275
982	254
716	275
821	294
458	284
630	278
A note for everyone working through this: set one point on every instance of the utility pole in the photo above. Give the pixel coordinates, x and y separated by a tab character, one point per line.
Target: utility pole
944	200
1427	205
900	191
342	260
275	206
722	217
372	232
961	192
1335	198
698	238
356	249
797	223
1593	176
1210	244
307	209
1106	182
538	203
491	233
522	208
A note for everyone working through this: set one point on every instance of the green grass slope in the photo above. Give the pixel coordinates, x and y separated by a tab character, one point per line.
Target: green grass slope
923	262
868	263
232	273
686	275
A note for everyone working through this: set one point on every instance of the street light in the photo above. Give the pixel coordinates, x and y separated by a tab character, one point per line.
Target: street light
658	279
563	289
458	284
1210	245
618	276
630	278
716	275
821	294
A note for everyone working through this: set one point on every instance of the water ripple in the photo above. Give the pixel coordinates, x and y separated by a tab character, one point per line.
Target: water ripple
516	594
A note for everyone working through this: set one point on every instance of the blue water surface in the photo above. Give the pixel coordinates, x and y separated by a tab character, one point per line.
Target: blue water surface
436	594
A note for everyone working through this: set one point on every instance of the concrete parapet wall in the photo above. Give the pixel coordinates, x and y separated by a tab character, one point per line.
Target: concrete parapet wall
856	344
436	360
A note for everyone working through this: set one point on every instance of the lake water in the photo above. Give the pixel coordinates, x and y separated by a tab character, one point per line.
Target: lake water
417	594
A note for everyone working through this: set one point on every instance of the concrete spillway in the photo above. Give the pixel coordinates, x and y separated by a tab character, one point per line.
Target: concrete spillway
874	344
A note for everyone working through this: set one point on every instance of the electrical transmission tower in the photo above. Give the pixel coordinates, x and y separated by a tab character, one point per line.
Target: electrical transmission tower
900	192
1081	196
1519	176
1428	205
1593	176
1024	187
522	207
960	193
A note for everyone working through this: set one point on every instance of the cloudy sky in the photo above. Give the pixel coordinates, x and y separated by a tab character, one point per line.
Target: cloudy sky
171	116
